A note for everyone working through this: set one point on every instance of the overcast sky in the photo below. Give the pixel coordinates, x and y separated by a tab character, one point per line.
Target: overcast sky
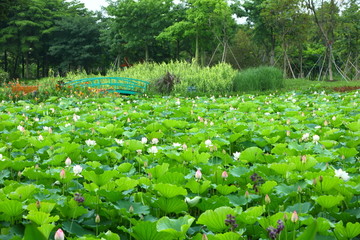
94	5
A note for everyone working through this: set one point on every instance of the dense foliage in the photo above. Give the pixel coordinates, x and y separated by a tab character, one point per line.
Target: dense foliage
236	167
305	38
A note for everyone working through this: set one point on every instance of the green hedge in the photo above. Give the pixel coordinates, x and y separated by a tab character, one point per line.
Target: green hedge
259	79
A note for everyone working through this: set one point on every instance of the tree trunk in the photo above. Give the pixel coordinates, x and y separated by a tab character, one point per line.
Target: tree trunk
285	62
5	61
272	57
22	66
37	68
15	66
301	63
146	53
330	63
197	48
27	66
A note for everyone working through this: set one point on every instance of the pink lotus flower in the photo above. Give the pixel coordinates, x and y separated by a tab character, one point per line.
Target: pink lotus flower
62	174
294	217
198	174
59	235
68	162
224	174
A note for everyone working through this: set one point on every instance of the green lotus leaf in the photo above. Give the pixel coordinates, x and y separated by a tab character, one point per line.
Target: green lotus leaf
159	170
251	214
252	154
282	168
329	201
347	152
124	167
148	231
238	171
23	192
138	208
175	227
72	209
328	143
11	208
46	207
214	220
133	145
198	187
226	190
170	123
99	179
73	227
354	126
267	187
302	165
226	236
192	202
171	205
38	233
41	218
173	178
309	232
304	207
169	190
324	225
327	184
351	230
126	183
109	236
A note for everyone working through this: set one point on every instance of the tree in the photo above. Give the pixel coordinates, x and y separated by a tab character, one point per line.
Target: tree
139	22
76	43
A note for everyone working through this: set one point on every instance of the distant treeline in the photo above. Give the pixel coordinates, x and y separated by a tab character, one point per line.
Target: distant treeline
305	38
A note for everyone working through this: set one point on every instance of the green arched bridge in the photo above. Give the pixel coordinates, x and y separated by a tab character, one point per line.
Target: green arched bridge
122	85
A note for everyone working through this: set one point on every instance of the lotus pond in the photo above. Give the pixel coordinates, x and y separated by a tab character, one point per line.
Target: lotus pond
282	166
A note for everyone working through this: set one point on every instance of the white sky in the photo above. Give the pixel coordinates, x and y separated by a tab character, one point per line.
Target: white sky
94	5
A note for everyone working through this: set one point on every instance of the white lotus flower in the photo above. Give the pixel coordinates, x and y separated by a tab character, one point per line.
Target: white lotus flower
21	128
1	157
316	138
90	142
305	136
68	162
119	141
40	138
208	143
77	169
154	141
177	145
153	150
144	140
236	155
76	117
342	174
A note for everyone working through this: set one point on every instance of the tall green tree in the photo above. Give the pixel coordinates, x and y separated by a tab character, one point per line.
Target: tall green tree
139	22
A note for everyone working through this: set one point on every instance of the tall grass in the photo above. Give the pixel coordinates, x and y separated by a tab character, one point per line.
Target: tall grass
259	79
216	79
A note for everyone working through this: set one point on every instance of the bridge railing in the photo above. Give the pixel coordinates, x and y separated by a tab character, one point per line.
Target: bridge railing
118	84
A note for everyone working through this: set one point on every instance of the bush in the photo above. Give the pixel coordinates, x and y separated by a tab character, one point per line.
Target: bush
259	79
165	84
4	76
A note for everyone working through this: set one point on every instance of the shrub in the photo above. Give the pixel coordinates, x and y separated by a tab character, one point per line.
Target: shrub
165	84
4	76
259	79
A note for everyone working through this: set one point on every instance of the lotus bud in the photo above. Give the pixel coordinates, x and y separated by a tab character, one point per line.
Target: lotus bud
303	159
97	218
59	235
131	209
204	237
294	217
198	174
314	181
145	164
321	178
267	199
62	174
19	174
247	195
285	217
288	133
68	162
224	175
38	204
299	189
